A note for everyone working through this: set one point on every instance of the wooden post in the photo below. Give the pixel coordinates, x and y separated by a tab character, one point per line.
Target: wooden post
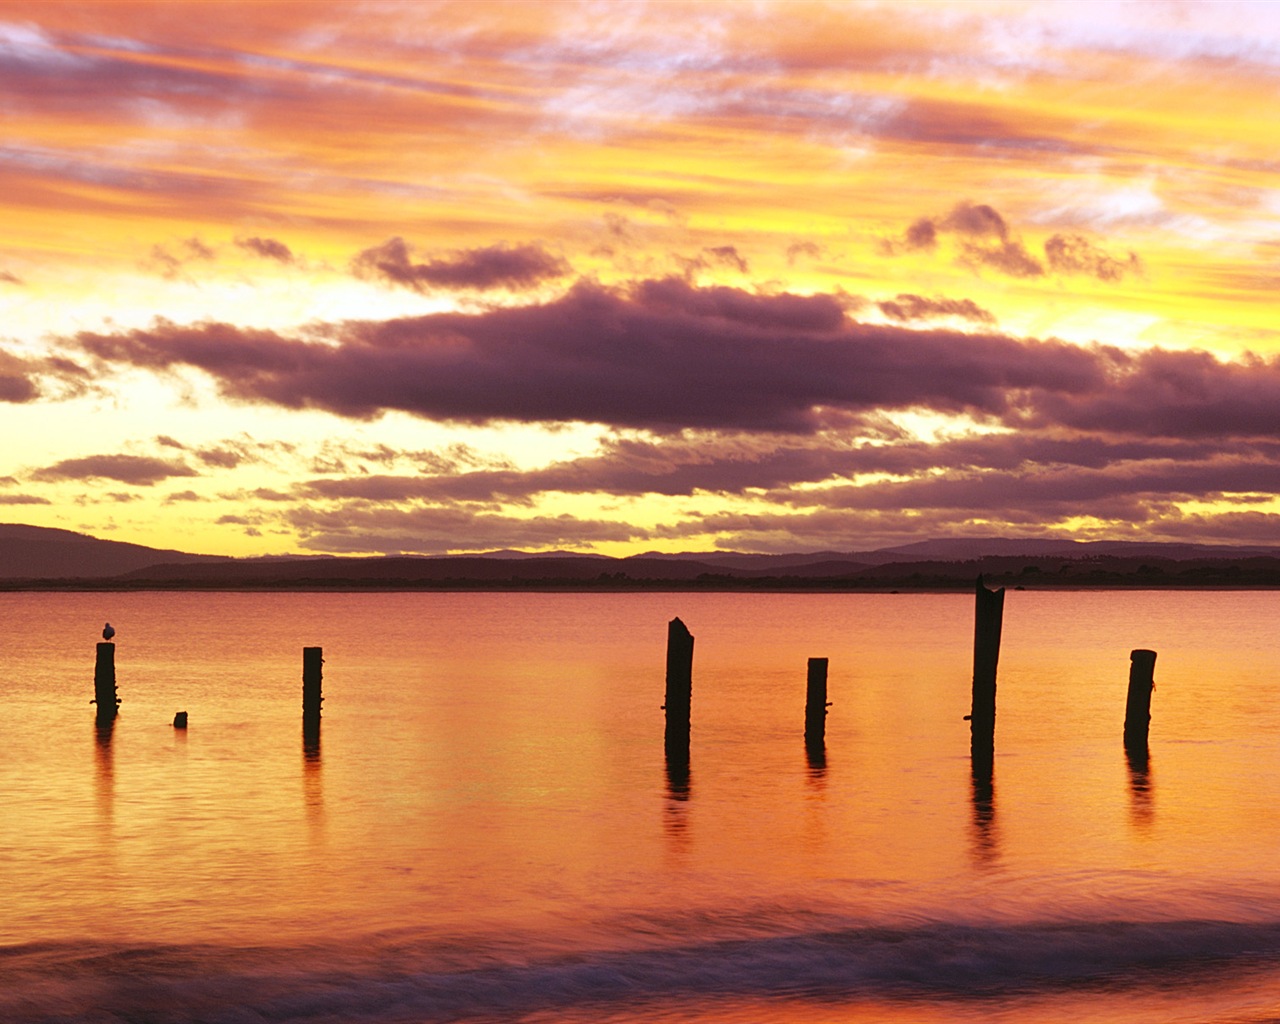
679	688
1137	710
988	616
180	720
312	659
104	682
815	704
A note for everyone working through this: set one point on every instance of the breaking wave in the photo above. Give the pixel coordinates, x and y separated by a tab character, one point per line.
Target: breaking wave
427	982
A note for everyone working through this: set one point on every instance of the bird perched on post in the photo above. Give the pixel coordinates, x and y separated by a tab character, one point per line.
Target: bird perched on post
108	631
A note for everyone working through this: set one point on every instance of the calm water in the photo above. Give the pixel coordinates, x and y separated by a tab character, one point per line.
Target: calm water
486	829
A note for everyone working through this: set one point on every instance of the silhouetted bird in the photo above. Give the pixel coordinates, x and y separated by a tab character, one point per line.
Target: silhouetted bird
108	631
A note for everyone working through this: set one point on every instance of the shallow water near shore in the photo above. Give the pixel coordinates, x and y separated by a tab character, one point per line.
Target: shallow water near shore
485	827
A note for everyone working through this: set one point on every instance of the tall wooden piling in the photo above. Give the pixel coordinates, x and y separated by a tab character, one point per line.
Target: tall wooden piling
815	704
988	616
104	682
1137	710
312	660
679	688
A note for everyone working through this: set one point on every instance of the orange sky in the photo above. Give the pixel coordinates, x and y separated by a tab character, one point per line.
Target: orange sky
384	277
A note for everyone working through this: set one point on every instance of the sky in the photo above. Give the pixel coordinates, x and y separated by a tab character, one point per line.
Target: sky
380	278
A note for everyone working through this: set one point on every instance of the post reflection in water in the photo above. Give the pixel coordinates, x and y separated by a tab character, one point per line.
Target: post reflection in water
676	809
817	833
1141	789
815	755
104	726
985	835
312	781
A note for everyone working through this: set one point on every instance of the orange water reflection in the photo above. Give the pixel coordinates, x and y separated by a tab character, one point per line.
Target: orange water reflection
497	762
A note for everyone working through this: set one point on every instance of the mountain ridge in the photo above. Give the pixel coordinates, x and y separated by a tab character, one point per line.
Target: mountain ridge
46	557
40	552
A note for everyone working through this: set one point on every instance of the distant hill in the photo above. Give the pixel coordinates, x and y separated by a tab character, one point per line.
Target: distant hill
36	557
480	569
393	570
37	552
985	547
961	549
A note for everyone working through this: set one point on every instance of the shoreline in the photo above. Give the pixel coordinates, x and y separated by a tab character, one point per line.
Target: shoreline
958	586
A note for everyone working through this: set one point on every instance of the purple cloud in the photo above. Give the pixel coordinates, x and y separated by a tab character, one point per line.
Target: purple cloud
810	250
1026	470
664	356
435	530
1075	254
976	219
173	265
267	248
129	469
986	240
727	256
496	266
1009	256
916	307
223	458
1161	393
17	388
667	356
25	379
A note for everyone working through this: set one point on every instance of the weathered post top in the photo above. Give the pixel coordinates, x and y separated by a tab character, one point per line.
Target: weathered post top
815	703
680	662
1144	658
679	687
104	681
988	618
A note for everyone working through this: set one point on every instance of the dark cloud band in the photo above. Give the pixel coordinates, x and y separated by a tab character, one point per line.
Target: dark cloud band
666	356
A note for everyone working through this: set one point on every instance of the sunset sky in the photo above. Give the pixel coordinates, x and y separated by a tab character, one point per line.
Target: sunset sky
617	277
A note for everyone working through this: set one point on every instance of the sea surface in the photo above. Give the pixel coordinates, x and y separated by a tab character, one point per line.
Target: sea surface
486	828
